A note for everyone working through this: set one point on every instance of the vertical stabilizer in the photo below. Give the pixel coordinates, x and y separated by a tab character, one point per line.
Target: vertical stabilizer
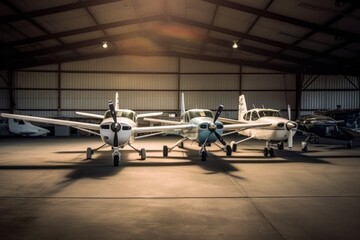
182	104
242	107
116	101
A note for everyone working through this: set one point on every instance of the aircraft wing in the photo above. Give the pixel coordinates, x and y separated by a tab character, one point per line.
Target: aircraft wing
92	115
242	126
73	124
169	122
164	128
229	120
142	115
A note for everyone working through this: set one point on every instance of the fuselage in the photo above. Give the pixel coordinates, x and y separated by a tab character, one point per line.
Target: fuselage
127	119
278	130
203	119
25	128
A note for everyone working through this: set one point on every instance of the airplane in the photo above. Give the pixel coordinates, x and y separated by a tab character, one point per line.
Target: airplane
315	126
349	118
203	128
277	129
25	128
117	129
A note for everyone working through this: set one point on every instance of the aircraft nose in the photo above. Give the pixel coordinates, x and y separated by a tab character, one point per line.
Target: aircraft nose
212	126
290	125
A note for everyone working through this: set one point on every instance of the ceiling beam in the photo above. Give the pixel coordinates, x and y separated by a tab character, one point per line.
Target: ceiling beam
257	39
283	18
53	10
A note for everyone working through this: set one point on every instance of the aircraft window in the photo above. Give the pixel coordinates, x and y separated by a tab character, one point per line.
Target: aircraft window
194	114
254	116
131	115
21	122
15	120
247	117
268	113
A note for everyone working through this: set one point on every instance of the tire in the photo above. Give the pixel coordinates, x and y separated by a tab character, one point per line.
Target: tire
271	152
165	151
280	145
233	146
266	152
143	154
181	145
116	160
228	150
203	156
89	153
304	149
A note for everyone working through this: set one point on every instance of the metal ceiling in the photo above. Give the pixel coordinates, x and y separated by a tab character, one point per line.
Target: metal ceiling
303	36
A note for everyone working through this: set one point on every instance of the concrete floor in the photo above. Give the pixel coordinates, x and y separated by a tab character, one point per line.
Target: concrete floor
49	191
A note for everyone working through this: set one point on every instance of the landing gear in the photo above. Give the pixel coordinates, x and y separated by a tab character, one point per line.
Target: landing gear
271	152
89	153
181	145
304	146
143	154
165	151
116	157
228	150
203	155
280	145
233	146
268	151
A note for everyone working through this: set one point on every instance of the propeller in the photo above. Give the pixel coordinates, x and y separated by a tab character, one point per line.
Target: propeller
115	126
289	126
212	128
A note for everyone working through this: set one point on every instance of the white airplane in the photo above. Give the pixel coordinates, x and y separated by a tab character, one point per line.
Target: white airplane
117	129
203	128
278	130
25	128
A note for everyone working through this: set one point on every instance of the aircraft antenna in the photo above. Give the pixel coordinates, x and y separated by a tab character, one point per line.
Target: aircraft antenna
263	106
254	106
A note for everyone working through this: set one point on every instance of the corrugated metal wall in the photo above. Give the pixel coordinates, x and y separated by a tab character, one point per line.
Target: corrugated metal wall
326	92
146	84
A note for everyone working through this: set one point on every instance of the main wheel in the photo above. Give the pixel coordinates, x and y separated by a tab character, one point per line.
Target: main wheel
203	156
89	153
304	147
266	152
271	152
233	146
143	154
280	145
228	150
165	151
181	145
116	160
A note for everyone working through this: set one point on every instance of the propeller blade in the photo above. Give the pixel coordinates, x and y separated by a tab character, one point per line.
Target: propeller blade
289	112
290	139
112	110
115	127
218	112
220	138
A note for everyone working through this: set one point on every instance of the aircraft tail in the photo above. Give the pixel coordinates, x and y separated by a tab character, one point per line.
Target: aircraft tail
116	101
242	107
182	104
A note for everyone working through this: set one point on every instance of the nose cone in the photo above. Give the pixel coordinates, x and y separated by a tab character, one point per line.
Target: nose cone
212	126
290	125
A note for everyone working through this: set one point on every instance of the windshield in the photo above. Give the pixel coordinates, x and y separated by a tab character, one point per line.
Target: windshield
268	113
201	113
125	114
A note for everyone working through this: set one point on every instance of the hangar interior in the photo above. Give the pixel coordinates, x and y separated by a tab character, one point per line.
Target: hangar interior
59	57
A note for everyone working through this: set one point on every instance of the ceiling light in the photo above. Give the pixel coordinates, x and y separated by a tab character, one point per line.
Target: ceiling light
104	44
235	45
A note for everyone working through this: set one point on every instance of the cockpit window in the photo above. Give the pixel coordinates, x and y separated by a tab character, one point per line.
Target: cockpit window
125	114
268	113
200	113
21	122
254	116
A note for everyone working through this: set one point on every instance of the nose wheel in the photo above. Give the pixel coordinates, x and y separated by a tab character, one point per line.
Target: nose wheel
269	152
203	156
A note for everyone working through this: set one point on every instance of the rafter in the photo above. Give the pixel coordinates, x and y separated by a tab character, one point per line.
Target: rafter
58	9
283	18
